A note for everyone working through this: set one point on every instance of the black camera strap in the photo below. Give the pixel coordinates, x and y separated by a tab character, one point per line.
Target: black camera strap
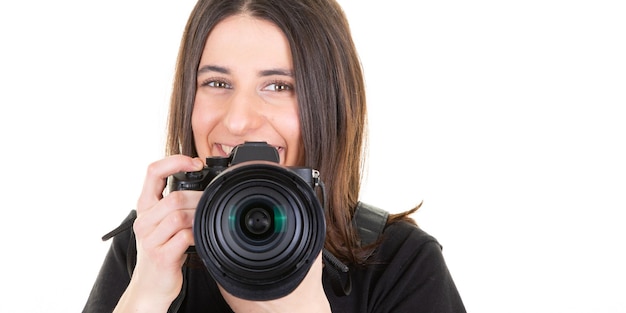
369	222
131	250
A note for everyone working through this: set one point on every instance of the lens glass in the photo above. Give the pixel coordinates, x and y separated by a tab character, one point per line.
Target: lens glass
257	219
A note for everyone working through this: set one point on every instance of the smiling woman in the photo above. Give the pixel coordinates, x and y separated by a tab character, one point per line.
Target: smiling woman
505	117
285	73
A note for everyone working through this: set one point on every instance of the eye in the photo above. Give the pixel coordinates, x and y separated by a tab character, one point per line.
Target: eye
279	86
216	84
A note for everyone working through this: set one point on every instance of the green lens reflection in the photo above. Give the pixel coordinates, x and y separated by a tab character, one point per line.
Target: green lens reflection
279	219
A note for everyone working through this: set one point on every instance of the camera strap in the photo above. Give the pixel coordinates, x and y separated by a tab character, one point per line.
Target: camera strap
131	250
369	221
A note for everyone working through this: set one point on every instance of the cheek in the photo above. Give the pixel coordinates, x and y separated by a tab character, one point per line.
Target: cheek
288	121
290	130
201	125
197	121
293	131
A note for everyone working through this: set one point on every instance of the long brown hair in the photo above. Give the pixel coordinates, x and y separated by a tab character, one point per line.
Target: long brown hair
330	92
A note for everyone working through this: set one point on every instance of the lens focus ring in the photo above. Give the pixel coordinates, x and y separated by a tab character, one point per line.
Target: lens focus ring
258	228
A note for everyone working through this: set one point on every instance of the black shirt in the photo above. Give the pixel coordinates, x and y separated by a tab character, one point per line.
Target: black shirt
407	273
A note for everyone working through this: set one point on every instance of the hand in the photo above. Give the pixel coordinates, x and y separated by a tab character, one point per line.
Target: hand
163	231
309	296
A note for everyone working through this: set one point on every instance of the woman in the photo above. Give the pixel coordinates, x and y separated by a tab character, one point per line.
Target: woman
287	73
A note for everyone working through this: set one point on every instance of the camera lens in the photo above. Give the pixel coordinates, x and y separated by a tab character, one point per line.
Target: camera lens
258	228
258	222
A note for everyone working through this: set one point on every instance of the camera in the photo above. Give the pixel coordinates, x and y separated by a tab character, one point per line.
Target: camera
259	225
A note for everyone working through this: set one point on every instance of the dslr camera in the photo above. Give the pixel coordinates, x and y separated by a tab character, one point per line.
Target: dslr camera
259	225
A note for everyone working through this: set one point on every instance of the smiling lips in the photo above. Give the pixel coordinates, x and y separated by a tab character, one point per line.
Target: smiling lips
228	149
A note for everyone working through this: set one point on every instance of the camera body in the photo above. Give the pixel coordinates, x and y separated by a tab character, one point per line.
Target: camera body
249	151
259	225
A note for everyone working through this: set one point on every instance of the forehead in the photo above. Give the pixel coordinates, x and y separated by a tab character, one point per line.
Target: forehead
245	38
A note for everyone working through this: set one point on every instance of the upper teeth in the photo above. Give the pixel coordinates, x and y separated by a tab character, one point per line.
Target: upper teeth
227	149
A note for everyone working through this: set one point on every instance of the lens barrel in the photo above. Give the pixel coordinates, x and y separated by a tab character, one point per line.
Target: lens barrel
258	228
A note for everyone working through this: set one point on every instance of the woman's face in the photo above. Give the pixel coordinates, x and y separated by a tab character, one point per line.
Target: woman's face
246	91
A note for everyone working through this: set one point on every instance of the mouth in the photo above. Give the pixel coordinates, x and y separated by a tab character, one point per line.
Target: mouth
226	149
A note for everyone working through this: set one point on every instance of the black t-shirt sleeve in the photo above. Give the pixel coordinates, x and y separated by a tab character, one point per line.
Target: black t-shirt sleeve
417	278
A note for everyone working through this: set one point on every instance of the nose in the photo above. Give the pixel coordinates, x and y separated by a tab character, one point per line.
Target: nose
243	113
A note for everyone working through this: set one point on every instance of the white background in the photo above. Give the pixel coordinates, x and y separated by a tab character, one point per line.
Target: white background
507	118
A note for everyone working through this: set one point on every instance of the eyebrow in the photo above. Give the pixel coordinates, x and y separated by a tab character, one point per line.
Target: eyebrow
276	72
223	70
213	68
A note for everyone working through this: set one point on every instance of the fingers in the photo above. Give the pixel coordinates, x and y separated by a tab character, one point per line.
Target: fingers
171	215
157	175
166	242
163	224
